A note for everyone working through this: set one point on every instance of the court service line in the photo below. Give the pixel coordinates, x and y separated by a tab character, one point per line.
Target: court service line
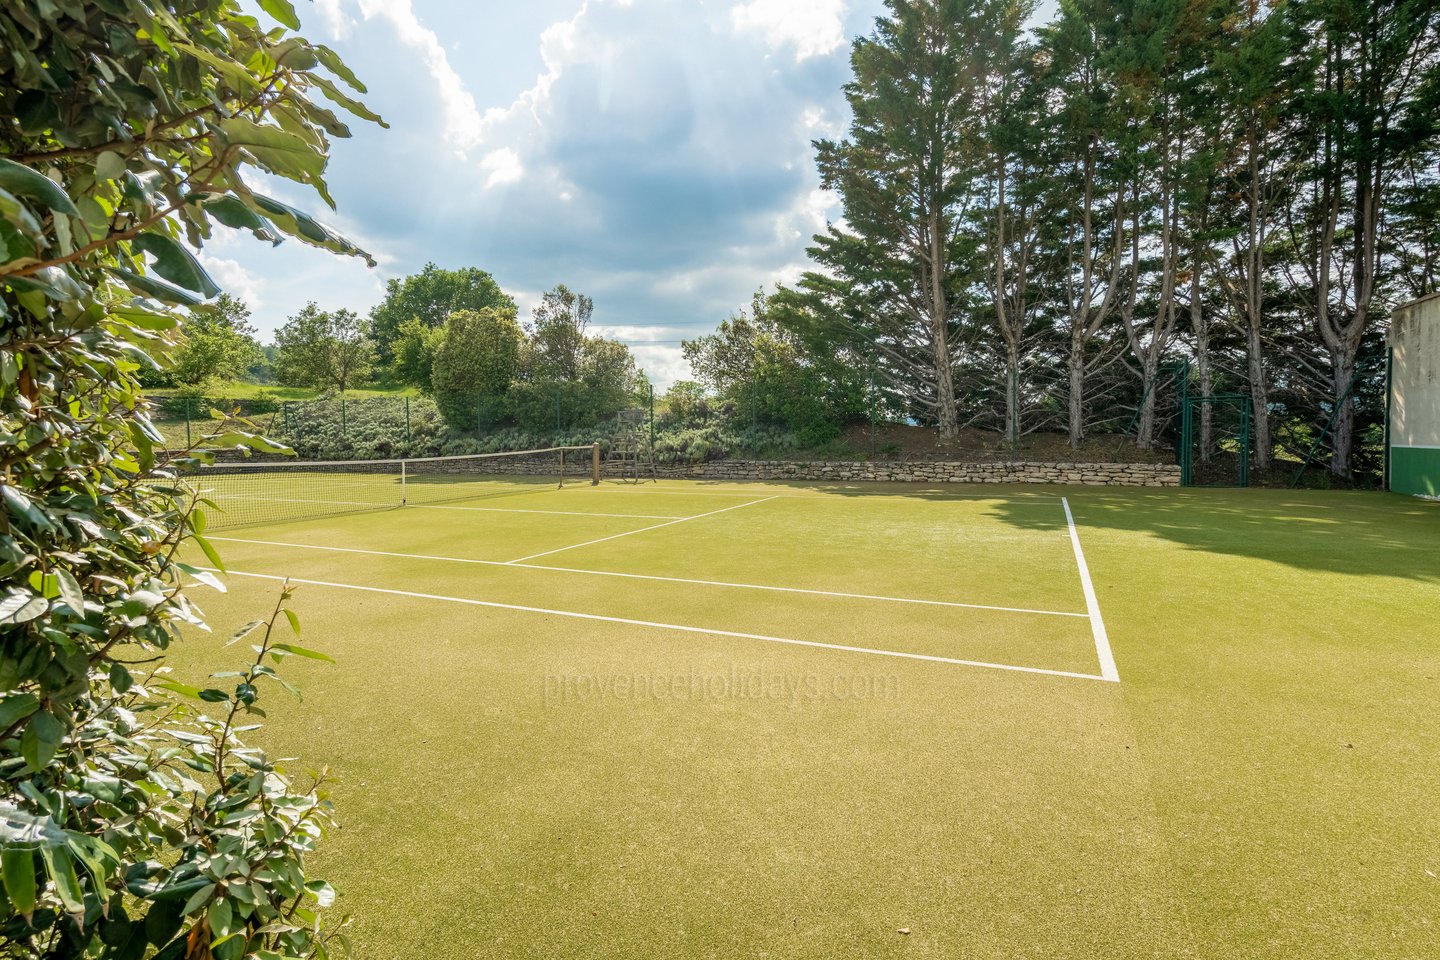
644	576
1021	498
660	626
631	533
437	506
557	513
1097	623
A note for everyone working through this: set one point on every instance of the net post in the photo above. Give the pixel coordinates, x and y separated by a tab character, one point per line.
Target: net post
403	472
595	464
562	466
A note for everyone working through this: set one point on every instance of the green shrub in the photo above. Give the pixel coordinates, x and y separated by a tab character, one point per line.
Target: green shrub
474	366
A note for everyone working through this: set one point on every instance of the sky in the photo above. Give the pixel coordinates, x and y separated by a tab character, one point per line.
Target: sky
653	154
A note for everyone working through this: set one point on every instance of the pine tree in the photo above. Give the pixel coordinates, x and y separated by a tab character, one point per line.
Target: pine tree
905	175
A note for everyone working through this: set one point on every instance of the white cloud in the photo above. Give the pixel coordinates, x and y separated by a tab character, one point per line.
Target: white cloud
234	279
504	167
812	28
663	365
653	154
337	24
807	216
463	122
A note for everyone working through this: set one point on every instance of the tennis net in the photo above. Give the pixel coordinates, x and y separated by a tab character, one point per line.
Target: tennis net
275	491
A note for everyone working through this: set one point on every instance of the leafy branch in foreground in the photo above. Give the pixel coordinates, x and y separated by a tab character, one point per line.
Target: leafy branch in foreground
132	825
152	763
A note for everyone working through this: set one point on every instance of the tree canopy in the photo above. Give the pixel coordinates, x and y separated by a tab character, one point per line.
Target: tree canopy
217	342
431	296
1038	226
328	349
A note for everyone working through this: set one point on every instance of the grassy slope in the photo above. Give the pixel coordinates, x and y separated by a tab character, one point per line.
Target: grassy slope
1260	785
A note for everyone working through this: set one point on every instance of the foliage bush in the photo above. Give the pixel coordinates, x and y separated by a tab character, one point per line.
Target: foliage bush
376	428
134	822
474	366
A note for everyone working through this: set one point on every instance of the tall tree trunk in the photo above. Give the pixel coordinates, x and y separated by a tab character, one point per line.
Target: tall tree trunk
1145	429
1342	360
1259	394
1200	324
948	416
1012	392
1003	321
1076	364
1255	302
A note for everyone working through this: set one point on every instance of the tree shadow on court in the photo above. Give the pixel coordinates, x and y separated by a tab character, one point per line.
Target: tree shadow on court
1348	532
1362	534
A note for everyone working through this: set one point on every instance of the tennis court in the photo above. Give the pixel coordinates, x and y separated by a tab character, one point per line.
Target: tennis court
869	576
867	720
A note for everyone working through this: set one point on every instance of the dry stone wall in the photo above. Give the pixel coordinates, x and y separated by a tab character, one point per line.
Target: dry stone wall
919	471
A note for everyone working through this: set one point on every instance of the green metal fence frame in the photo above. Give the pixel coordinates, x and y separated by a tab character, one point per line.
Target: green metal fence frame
1189	407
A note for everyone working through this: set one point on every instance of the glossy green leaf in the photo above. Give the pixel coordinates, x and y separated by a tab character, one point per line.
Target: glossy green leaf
23	181
209	552
234	214
18	867
41	739
245	631
120	677
203	576
21	607
355	107
307	228
322	891
175	686
70	591
158	289
17	707
302	652
295	54
109	165
21	506
198	899
335	65
61	867
283	11
176	263
221	917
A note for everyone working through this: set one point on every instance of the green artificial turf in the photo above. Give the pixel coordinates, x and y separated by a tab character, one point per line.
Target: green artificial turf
512	783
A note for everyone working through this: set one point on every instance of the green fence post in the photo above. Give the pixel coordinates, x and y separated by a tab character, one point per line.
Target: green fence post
188	441
1186	448
1246	415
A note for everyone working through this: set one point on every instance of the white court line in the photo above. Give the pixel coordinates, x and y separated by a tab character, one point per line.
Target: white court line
662	626
631	533
340	503
642	576
1097	625
1027	497
436	506
557	513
